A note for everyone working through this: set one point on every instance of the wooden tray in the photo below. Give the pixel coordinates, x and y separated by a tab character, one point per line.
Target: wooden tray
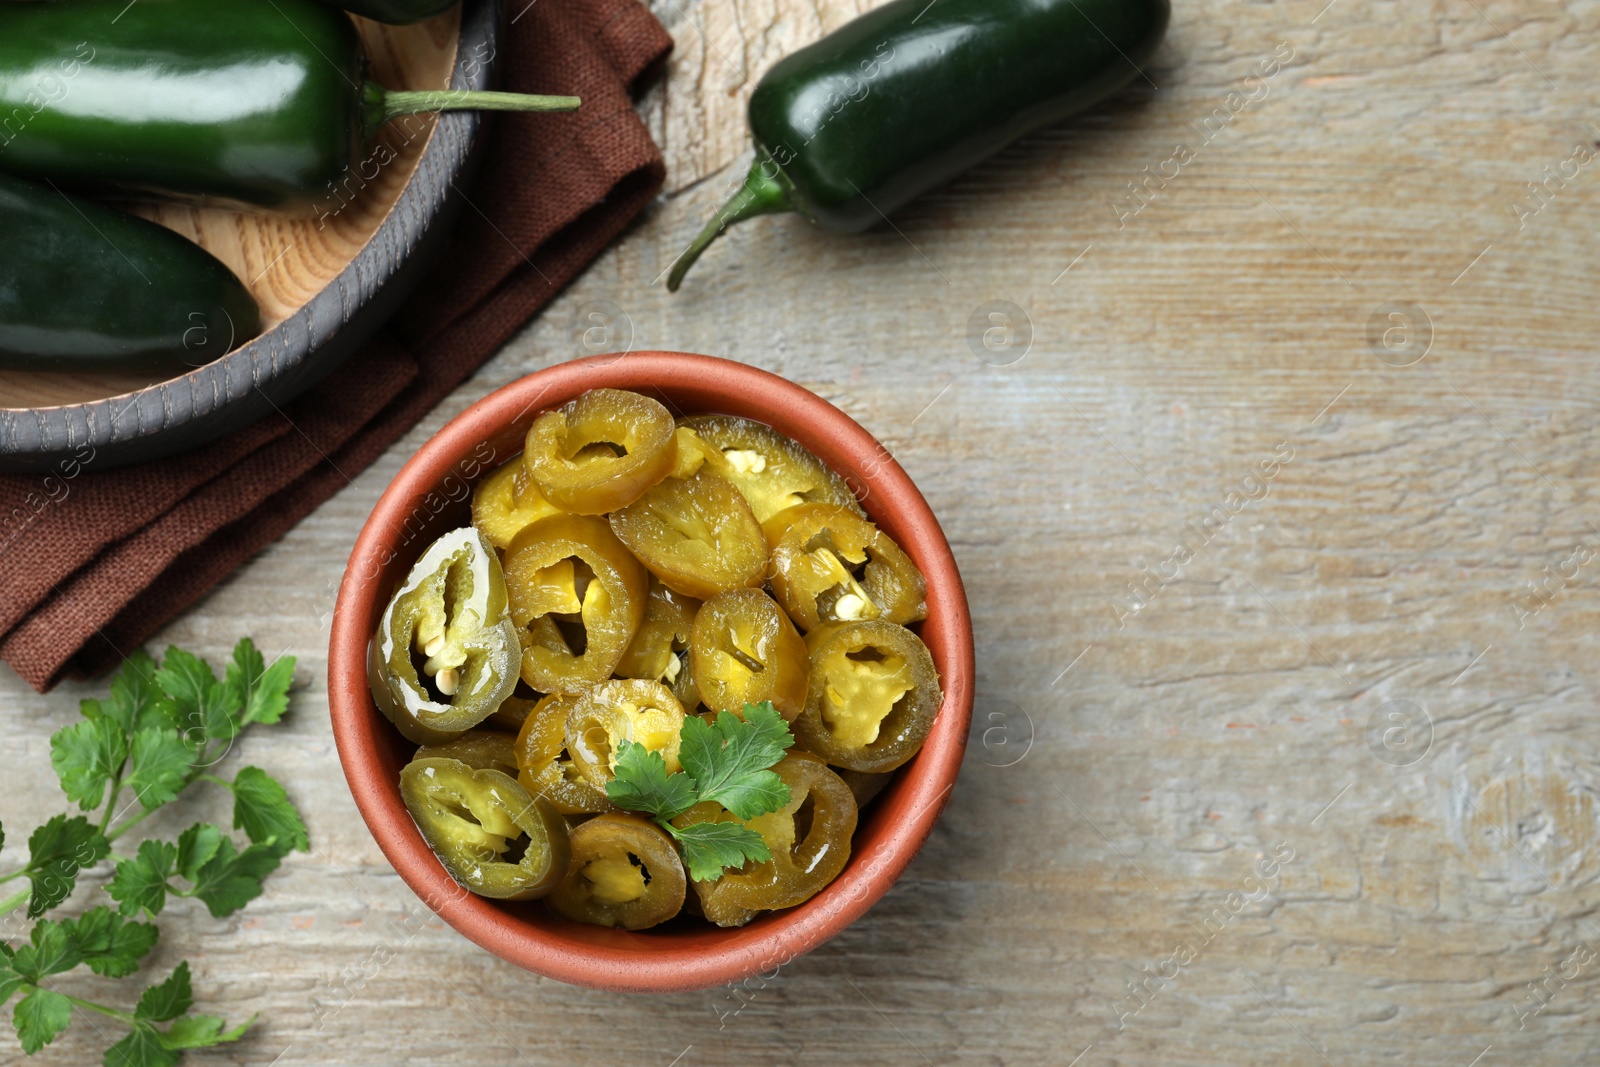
324	284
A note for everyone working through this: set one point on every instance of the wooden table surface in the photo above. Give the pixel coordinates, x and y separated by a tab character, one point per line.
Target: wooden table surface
1248	529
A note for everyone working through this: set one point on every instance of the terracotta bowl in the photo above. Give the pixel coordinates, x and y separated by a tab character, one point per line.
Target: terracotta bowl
431	494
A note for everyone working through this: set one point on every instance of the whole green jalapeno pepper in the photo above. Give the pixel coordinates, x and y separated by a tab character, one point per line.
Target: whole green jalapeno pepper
446	652
264	105
84	287
909	95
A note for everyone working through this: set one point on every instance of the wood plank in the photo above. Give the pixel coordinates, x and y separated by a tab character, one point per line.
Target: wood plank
1244	706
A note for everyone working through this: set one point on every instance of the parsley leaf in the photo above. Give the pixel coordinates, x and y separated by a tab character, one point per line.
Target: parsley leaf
729	761
169	999
229	880
200	1031
708	847
261	691
206	708
57	851
158	723
262	809
51	951
142	1047
10	980
141	882
196	846
86	756
136	701
641	783
161	765
39	1017
109	944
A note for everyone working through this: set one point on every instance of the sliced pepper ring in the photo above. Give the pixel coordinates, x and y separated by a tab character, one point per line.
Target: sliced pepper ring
478	749
744	650
632	709
773	471
506	503
660	648
872	698
692	453
491	836
625	871
831	565
864	786
809	839
697	535
601	451
577	597
542	765
445	652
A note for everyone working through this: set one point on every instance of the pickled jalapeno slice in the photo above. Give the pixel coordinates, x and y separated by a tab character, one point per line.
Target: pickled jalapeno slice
831	565
624	573
633	709
872	697
510	715
445	652
660	648
542	765
864	787
505	503
478	749
744	650
697	535
692	453
809	839
601	451
773	471
577	597
491	836
625	872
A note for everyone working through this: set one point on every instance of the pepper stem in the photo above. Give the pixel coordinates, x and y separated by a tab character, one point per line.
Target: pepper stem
765	192
385	104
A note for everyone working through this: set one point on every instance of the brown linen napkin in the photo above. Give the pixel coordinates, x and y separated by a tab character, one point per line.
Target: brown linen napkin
100	570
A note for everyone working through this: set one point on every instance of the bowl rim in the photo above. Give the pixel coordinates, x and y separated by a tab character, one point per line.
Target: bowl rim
904	815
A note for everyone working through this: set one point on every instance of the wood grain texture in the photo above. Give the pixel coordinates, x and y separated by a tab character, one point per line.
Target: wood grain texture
1383	567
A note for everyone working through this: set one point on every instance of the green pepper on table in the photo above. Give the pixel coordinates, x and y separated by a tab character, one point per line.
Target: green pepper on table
263	105
909	95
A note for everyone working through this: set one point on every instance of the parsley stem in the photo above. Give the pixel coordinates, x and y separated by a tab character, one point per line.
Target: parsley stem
111	804
13	901
101	1008
18	873
194	777
130	824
